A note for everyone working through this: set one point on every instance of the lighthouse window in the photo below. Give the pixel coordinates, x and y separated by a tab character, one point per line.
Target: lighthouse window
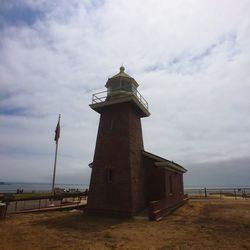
109	175
170	184
112	124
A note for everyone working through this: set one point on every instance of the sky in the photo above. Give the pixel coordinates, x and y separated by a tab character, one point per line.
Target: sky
191	59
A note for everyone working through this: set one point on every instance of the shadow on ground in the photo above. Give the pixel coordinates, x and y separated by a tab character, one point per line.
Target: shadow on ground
79	221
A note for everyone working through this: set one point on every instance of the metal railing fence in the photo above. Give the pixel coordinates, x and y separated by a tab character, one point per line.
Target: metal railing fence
105	95
41	202
220	193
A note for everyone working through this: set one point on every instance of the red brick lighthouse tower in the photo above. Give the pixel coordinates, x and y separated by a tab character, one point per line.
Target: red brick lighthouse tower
117	185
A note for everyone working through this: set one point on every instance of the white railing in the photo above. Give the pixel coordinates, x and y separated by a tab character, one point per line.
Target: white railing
102	96
99	97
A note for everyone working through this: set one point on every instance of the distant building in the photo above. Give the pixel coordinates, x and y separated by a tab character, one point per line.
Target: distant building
125	178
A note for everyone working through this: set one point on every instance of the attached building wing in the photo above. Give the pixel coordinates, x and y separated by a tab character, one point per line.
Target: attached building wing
164	163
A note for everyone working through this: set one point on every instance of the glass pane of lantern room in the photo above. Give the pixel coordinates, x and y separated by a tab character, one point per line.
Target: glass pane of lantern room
127	86
115	86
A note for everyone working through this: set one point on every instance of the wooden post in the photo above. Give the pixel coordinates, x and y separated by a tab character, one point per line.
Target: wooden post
243	194
6	208
205	190
15	206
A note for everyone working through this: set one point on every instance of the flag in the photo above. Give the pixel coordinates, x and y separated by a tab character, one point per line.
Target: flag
57	131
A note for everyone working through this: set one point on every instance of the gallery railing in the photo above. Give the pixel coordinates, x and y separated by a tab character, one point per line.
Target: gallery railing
105	96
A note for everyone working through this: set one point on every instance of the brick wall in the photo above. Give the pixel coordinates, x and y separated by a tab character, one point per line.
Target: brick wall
123	181
154	182
158	183
118	147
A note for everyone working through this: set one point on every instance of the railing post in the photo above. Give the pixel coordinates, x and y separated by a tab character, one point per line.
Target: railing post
96	99
243	194
15	206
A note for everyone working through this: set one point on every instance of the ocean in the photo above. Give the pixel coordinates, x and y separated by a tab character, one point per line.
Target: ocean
11	187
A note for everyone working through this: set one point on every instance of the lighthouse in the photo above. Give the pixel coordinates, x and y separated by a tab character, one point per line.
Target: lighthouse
120	183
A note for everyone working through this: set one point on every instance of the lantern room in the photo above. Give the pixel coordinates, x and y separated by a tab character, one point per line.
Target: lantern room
121	88
121	84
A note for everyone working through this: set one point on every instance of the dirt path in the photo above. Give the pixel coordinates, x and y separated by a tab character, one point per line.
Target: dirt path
197	225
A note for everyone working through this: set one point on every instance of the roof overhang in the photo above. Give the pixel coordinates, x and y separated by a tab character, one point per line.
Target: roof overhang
164	163
170	166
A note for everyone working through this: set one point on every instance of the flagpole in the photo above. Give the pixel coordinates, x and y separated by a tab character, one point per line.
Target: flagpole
54	173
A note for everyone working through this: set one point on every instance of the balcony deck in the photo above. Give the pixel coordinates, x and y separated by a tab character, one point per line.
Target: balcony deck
105	98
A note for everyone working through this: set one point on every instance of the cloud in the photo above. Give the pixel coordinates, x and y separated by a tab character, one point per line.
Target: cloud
17	13
231	173
191	59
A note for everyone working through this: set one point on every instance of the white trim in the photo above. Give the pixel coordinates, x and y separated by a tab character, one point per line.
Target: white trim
170	166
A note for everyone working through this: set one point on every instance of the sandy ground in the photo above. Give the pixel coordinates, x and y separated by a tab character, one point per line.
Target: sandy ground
196	225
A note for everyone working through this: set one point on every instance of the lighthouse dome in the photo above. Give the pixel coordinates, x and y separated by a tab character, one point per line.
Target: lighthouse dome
121	84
